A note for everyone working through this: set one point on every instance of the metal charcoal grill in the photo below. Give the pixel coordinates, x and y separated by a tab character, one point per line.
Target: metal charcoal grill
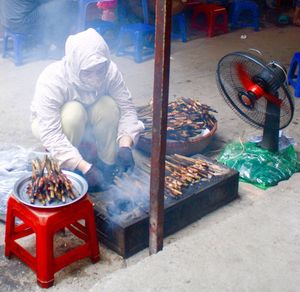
123	224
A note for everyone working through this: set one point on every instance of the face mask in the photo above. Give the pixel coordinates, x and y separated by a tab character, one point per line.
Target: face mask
94	76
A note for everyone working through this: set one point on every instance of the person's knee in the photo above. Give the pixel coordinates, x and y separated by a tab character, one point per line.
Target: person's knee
105	110
73	115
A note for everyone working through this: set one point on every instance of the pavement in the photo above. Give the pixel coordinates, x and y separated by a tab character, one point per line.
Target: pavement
251	244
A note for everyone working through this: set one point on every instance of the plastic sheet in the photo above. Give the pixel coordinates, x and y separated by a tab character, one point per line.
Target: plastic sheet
15	163
259	166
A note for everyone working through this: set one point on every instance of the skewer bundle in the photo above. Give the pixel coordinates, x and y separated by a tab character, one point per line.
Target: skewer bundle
49	183
186	118
182	171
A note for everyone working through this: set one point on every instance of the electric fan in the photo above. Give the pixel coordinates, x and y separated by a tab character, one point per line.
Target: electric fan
256	91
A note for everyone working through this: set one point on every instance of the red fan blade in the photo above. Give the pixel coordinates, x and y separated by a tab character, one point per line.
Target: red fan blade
272	99
249	85
244	77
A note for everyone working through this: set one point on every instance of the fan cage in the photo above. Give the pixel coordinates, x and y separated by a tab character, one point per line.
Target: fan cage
230	85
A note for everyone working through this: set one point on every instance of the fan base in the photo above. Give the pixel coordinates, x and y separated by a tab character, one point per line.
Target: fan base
283	141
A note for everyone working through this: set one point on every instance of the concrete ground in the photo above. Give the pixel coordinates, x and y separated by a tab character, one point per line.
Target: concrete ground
252	244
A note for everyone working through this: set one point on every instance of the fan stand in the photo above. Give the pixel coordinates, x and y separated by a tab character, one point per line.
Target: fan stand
270	139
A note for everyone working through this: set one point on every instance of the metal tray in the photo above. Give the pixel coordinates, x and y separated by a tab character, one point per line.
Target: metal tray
80	188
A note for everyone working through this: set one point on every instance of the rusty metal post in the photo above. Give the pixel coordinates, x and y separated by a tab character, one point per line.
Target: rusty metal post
159	128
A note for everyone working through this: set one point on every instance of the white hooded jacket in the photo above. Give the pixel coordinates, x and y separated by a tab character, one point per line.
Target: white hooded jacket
60	83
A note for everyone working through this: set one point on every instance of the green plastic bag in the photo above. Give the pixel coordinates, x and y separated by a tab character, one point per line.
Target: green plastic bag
259	166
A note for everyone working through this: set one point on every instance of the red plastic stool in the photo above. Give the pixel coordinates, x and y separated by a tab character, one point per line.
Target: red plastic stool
216	18
45	223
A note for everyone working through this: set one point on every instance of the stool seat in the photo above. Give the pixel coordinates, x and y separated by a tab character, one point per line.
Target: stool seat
44	223
294	75
216	18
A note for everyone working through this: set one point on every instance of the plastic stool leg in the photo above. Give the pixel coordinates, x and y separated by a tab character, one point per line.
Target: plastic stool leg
235	19
138	46
297	93
182	27
297	87
194	22
119	46
9	228
225	26
5	45
91	229
44	257
210	24
256	24
18	42
81	21
292	77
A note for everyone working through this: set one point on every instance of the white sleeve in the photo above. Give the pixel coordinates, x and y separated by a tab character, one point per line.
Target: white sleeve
129	123
48	103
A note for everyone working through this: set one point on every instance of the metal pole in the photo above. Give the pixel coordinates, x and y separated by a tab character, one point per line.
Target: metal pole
159	128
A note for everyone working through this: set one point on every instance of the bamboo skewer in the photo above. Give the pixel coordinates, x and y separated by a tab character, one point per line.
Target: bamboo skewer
187	170
181	172
186	118
49	183
214	169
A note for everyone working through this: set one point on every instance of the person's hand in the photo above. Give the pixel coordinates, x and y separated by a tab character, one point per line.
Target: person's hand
95	180
125	159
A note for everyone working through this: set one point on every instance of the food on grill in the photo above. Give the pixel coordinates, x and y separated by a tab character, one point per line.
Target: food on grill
49	183
187	118
182	171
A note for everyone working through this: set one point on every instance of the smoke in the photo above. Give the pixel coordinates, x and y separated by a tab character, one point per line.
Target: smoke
56	18
15	163
128	198
47	24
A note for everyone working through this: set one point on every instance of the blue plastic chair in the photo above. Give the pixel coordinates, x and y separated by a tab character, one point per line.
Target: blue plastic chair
294	74
244	13
18	42
141	35
101	26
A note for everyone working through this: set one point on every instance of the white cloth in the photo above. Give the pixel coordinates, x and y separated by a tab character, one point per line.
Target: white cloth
60	83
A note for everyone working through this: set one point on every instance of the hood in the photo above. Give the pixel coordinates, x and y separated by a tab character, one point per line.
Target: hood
82	51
